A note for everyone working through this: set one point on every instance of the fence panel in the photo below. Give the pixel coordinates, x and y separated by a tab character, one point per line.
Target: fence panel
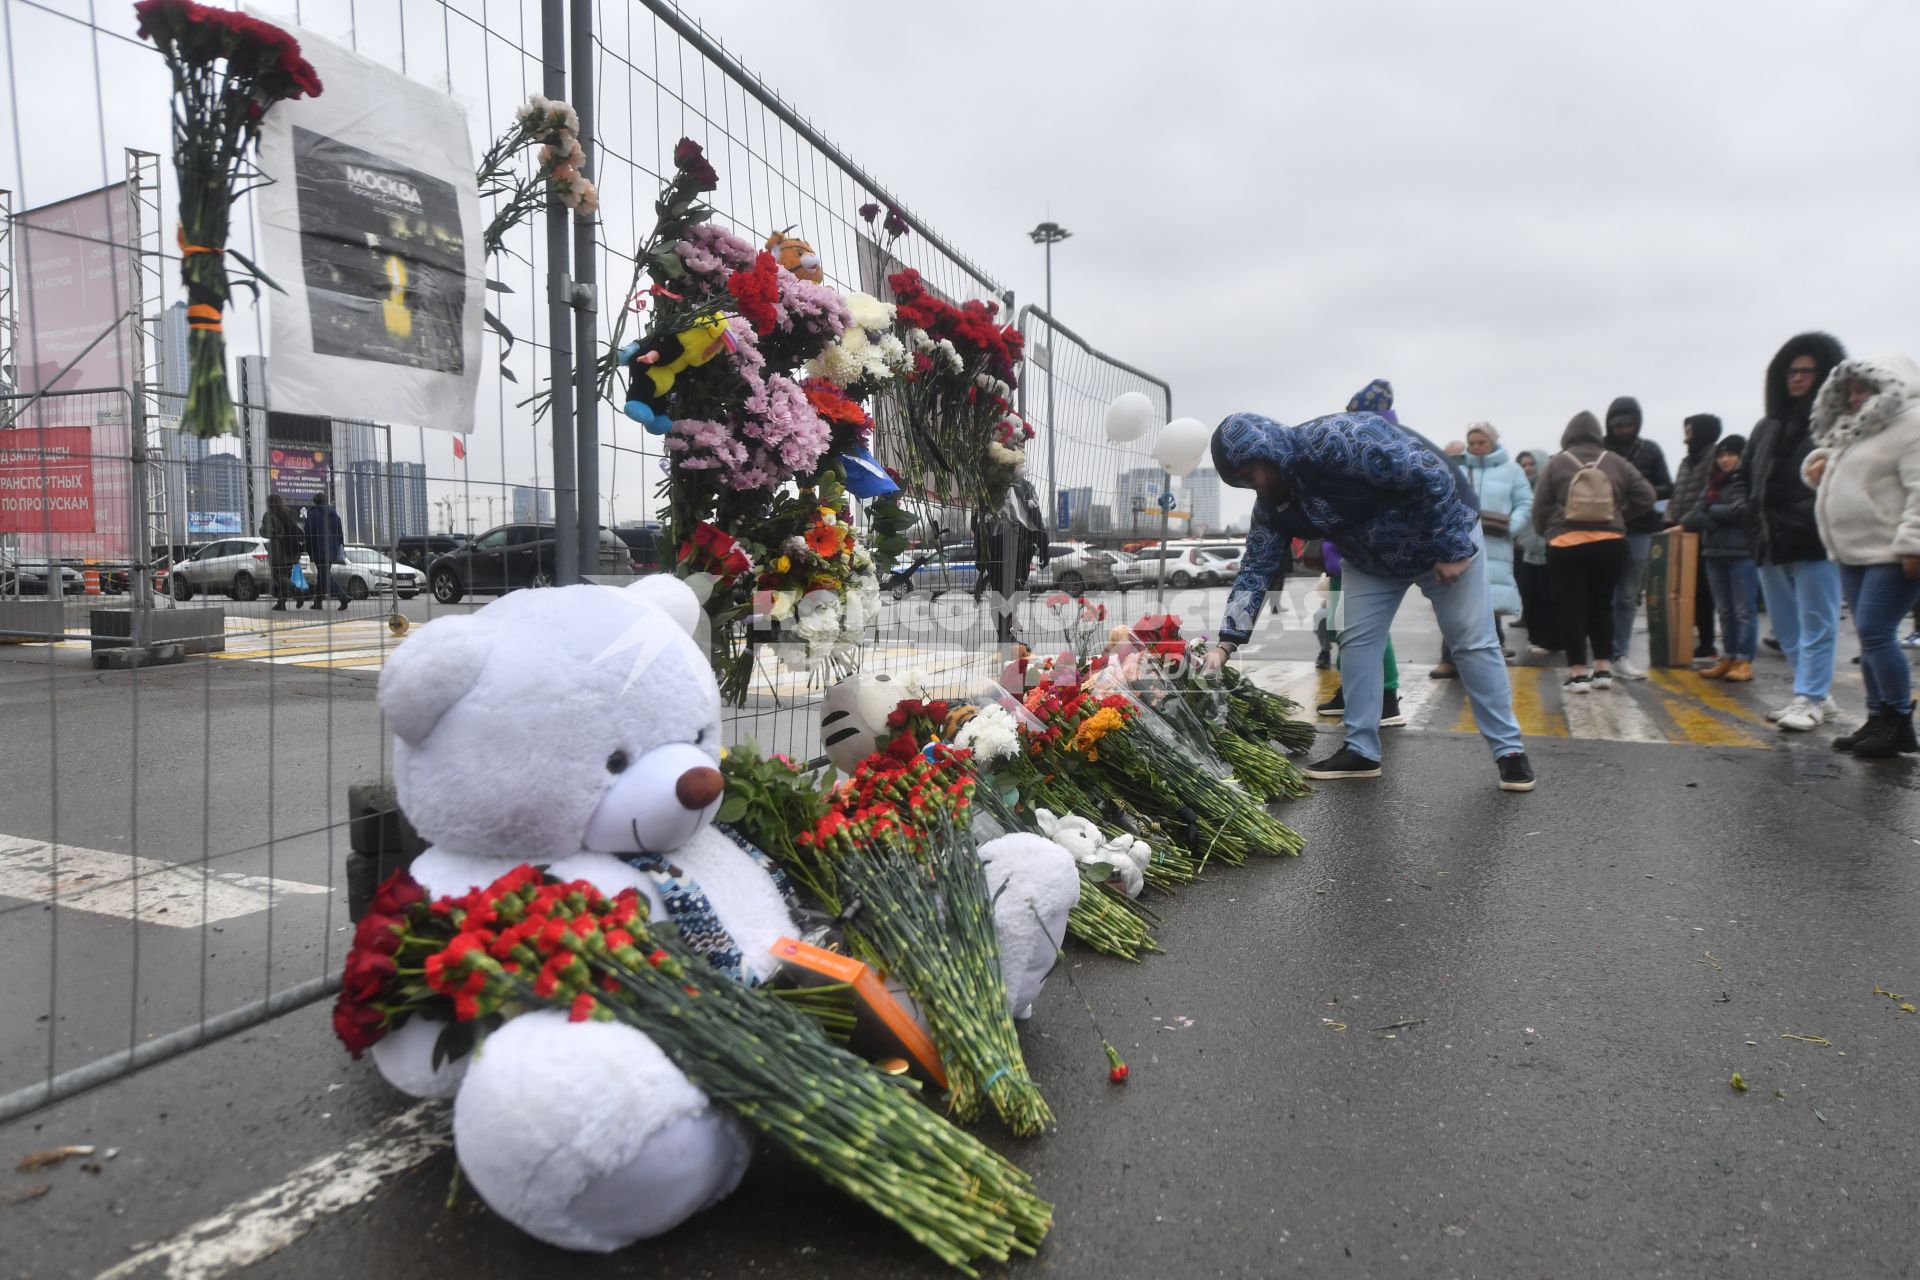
174	839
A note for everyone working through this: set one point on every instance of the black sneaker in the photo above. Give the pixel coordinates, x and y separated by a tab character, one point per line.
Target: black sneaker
1334	708
1515	773
1846	741
1390	717
1324	661
1581	684
1344	763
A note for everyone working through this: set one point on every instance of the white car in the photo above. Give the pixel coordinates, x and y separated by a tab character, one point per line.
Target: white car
1186	566
367	572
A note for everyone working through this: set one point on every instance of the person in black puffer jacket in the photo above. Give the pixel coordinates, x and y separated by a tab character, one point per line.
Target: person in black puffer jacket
1801	586
1689	479
1719	517
1624	421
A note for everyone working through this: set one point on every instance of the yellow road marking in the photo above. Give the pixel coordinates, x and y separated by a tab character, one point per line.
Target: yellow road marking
1694	724
1712	693
1537	719
265	653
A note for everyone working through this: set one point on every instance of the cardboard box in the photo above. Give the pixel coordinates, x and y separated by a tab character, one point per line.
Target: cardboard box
1673	568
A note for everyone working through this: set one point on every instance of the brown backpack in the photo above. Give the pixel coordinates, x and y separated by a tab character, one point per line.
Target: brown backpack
1590	497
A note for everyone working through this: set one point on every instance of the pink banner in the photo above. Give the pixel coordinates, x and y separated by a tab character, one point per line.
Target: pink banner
75	285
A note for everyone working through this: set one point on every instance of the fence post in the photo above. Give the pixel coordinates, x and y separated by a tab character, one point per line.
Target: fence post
586	274
566	520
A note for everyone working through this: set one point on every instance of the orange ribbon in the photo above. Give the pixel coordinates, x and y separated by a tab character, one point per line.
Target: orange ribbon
203	317
188	250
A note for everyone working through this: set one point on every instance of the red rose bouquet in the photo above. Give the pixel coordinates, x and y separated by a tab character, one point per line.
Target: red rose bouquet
526	942
228	71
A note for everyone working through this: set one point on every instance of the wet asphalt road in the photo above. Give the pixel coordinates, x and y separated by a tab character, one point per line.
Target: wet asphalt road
1583	968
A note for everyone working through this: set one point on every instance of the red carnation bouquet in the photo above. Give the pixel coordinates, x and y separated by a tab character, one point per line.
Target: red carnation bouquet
527	941
956	404
228	71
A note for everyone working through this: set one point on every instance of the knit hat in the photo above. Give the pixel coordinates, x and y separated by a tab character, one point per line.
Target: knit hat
1487	429
1375	397
1730	444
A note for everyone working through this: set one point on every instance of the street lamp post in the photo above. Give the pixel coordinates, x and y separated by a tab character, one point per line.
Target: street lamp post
1050	234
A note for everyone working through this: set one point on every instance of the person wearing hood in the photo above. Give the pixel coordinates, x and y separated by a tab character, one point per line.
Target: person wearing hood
1586	499
1624	421
1865	472
1506	501
1403	517
1530	567
1719	517
1700	431
1375	397
1801	586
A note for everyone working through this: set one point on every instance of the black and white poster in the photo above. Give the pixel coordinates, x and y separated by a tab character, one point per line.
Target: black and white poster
372	228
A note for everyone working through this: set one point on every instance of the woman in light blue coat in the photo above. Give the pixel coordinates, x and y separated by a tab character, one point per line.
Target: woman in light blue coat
1506	505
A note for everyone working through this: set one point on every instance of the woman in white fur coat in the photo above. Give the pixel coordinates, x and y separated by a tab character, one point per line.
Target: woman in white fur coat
1865	470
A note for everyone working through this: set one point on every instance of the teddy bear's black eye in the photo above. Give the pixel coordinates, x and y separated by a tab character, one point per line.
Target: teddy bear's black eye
617	762
700	738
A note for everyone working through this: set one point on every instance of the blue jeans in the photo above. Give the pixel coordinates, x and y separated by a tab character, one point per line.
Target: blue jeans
1881	595
1626	593
1803	603
1465	612
1735	584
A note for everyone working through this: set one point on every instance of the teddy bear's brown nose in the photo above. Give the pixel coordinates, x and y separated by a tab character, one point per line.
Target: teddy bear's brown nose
700	787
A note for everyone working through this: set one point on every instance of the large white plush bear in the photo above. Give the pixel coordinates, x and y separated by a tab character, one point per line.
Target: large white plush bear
576	728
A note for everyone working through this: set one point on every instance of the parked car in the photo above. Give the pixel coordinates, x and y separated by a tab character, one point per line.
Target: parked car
367	572
1185	567
418	551
949	567
1075	568
237	567
20	577
648	545
1127	570
511	556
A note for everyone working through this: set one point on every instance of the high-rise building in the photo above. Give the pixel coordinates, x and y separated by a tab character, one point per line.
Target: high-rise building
1200	494
1077	505
1137	500
379	506
531	505
219	484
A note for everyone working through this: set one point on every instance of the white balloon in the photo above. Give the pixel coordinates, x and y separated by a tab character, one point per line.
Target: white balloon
1181	444
1129	417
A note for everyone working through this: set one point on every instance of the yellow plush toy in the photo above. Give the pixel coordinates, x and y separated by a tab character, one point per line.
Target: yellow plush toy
796	255
663	360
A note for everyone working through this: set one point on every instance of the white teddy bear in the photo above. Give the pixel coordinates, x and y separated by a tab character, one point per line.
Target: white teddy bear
1129	856
578	728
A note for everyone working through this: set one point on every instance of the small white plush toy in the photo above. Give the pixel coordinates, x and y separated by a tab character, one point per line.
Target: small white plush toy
578	728
1127	855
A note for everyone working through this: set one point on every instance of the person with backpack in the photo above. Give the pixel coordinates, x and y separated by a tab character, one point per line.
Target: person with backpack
1865	470
1719	517
1586	499
1623	438
1800	584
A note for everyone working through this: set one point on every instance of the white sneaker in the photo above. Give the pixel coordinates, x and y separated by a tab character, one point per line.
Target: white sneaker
1829	708
1801	715
1627	671
1604	679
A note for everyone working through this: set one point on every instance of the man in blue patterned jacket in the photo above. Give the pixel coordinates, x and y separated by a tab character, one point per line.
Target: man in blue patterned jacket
1402	516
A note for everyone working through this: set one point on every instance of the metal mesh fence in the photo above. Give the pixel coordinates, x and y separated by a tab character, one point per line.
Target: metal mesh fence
174	840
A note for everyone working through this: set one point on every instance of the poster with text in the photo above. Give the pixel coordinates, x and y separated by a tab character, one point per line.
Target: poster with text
297	472
75	285
372	226
46	480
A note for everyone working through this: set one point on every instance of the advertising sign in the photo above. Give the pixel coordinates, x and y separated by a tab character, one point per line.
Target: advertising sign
75	285
297	472
46	480
214	523
372	225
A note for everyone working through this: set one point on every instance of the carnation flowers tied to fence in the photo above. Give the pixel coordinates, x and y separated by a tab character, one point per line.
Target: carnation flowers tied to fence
228	71
530	941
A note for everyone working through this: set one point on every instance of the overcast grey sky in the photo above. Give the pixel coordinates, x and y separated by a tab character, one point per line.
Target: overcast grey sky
1512	210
